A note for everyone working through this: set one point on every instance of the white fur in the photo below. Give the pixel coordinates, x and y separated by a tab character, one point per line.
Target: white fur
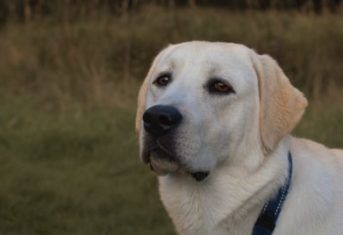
222	135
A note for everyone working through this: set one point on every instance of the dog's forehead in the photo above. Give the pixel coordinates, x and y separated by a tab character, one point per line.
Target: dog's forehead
201	61
208	56
192	64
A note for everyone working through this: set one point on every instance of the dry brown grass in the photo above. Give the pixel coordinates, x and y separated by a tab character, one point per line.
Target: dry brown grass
102	59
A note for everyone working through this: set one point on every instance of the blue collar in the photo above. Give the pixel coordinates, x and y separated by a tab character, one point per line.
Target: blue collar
266	221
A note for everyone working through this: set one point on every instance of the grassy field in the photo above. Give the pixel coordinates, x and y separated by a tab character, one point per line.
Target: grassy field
68	152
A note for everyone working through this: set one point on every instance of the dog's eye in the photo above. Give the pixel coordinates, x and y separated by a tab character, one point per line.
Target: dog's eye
162	80
217	86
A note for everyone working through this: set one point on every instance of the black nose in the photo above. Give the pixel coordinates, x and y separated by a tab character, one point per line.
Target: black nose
161	119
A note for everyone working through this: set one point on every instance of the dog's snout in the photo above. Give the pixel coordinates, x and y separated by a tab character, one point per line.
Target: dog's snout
161	119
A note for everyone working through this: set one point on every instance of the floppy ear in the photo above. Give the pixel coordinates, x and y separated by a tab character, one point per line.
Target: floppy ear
141	103
142	94
281	104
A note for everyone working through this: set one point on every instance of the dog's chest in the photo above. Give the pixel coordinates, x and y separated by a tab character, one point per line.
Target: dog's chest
204	211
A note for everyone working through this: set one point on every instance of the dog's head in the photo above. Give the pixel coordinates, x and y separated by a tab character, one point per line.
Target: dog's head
204	103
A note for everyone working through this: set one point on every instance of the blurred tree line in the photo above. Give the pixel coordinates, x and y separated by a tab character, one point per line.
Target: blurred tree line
25	10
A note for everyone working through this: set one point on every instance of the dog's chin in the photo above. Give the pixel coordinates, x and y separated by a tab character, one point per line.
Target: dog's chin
162	164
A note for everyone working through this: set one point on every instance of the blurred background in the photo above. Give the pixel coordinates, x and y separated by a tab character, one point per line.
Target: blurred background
69	75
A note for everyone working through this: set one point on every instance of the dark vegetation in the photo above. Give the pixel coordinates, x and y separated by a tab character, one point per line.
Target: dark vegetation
25	10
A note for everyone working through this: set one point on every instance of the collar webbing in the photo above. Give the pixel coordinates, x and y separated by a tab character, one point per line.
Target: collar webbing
266	221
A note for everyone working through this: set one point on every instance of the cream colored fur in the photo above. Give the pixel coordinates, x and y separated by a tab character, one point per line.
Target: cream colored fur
243	140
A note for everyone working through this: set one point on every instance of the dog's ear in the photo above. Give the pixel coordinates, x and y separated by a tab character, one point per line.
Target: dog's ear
142	94
281	104
141	103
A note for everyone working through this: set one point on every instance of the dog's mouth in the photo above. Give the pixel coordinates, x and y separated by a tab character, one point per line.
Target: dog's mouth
162	161
160	158
200	175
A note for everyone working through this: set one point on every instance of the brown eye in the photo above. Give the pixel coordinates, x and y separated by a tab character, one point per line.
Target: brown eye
217	86
163	80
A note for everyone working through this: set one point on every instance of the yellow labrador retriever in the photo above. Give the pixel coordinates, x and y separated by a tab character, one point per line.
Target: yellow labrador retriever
214	122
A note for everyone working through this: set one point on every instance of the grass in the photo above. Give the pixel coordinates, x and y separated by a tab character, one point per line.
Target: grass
77	173
322	121
68	152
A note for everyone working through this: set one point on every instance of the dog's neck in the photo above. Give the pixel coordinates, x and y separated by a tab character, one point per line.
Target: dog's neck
230	195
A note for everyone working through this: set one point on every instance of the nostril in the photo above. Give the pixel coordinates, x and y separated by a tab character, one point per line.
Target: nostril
165	119
147	118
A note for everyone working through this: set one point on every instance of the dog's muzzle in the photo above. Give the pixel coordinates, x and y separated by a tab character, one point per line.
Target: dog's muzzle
159	121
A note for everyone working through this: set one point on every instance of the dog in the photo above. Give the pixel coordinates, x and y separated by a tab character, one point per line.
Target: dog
214	122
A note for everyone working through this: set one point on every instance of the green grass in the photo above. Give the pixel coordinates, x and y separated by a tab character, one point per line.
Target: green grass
68	151
322	122
77	173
